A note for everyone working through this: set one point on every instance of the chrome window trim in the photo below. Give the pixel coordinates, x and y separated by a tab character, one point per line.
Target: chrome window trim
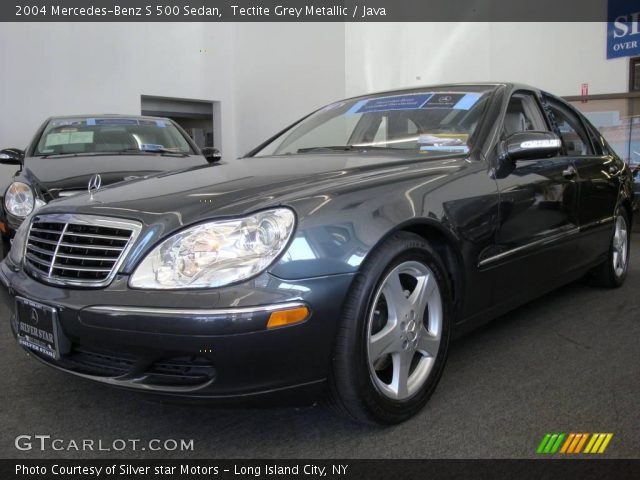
89	220
597	223
550	239
543	241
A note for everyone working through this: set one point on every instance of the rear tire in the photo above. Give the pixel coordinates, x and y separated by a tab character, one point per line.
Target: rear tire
393	339
613	271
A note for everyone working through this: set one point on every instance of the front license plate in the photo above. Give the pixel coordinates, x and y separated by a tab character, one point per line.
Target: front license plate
38	327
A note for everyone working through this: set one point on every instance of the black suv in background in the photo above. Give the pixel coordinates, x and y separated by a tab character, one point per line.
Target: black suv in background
67	152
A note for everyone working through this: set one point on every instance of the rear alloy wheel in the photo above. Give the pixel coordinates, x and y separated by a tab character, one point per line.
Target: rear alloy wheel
613	271
392	343
620	247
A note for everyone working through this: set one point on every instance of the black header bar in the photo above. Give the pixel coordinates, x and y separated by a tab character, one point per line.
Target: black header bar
303	10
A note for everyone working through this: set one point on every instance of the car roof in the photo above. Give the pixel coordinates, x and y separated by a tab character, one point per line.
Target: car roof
510	85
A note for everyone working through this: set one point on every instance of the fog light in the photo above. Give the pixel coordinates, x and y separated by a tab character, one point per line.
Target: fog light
282	318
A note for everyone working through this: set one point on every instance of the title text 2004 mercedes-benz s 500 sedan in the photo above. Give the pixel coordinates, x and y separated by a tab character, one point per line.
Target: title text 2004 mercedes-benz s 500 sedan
338	258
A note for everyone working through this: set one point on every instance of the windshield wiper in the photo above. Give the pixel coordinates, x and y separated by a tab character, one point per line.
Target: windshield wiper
75	154
343	148
161	151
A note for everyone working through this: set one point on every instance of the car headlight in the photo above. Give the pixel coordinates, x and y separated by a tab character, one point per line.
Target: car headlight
19	199
216	253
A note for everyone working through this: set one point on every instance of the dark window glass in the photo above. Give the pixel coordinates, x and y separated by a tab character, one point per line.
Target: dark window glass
634	80
109	135
597	140
523	114
574	137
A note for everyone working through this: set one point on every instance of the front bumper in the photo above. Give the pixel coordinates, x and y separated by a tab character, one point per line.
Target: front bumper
201	344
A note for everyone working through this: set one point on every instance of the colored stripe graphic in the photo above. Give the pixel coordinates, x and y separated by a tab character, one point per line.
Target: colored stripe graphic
598	442
578	442
543	443
568	442
573	443
556	446
592	441
582	441
550	443
605	444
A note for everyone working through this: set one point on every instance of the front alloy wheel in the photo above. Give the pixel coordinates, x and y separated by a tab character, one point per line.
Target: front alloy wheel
392	343
404	328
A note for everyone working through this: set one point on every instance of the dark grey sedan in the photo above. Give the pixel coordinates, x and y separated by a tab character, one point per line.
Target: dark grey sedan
336	260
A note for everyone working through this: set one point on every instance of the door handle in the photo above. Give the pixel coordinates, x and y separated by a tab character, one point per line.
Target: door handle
569	173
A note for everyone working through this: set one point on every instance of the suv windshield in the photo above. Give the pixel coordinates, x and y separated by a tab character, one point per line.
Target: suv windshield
110	135
432	120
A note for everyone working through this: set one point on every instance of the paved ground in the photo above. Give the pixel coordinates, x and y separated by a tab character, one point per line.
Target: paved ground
567	362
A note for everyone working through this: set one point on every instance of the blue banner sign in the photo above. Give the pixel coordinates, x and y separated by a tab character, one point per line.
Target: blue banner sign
623	28
416	101
396	102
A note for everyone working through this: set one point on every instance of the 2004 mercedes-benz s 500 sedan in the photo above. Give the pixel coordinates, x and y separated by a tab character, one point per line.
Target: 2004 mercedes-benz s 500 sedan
338	258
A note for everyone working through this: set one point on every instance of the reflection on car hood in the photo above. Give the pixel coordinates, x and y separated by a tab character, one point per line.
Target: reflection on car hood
249	184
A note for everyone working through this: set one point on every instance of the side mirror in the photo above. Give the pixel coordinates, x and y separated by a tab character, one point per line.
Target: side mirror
530	146
212	155
11	156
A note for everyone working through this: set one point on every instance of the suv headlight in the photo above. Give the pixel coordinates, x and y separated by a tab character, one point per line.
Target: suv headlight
216	253
19	199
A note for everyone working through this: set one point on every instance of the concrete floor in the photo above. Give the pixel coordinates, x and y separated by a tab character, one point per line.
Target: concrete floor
568	362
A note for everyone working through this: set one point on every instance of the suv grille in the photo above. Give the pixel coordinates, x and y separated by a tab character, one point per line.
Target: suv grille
80	250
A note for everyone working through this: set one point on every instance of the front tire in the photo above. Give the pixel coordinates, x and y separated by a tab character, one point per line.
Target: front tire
613	271
394	335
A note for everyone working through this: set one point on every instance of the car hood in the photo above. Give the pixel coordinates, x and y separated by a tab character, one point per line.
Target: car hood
54	174
244	185
168	202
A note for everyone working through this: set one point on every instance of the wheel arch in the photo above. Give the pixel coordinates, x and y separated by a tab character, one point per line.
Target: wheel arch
446	245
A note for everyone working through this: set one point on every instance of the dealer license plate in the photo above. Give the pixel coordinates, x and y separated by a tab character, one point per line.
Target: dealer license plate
38	327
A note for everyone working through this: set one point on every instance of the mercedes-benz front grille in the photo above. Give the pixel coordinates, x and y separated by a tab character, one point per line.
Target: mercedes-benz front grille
78	250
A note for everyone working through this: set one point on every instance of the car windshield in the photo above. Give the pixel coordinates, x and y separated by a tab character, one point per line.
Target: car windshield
437	120
110	135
